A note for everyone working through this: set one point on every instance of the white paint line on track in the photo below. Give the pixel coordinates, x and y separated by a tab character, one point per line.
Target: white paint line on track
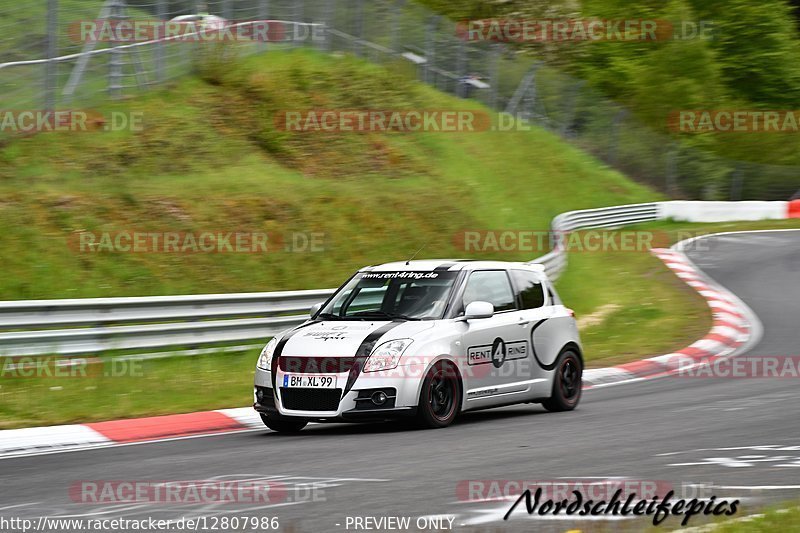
18	505
757	487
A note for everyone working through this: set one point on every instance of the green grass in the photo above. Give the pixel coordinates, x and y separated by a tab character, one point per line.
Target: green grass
783	518
210	159
130	389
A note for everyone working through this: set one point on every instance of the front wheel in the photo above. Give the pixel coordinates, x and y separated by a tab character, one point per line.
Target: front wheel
566	383
440	398
282	424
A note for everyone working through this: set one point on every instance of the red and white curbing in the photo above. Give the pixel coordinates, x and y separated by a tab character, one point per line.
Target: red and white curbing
52	439
733	326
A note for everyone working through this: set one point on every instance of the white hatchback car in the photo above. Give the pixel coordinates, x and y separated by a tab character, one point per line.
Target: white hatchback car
426	339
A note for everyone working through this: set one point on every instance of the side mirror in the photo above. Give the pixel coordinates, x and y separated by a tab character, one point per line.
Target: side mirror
315	309
478	309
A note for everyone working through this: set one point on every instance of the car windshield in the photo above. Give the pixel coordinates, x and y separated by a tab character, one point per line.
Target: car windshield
391	295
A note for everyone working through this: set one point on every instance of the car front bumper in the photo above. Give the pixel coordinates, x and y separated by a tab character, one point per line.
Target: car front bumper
336	405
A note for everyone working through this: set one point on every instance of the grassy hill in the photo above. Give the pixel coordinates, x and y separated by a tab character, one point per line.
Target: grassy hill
210	158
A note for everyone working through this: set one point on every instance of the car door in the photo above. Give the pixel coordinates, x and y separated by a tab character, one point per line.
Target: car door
493	347
537	319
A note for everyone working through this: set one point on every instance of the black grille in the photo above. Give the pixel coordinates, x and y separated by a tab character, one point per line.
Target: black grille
311	399
316	365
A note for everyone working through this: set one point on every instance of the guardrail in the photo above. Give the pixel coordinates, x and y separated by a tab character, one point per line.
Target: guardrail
103	324
35	314
604	217
94	325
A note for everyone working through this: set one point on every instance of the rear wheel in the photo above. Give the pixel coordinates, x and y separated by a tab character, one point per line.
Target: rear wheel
282	424
566	383
440	398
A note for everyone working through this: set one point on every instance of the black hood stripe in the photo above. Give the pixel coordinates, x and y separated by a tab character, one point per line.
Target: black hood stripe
363	351
279	348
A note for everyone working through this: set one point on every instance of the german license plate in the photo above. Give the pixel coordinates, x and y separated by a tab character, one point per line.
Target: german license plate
317	381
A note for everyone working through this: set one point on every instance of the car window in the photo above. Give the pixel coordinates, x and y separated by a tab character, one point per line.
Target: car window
554	298
489	286
529	288
406	294
368	299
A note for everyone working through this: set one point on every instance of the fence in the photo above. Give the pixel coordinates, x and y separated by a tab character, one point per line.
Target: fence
44	65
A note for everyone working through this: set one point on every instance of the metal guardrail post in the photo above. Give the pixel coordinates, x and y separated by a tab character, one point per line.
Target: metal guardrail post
263	14
161	12
115	60
494	74
328	22
430	50
51	67
359	29
461	69
397	9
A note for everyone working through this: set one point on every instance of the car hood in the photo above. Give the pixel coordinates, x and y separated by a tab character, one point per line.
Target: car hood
339	338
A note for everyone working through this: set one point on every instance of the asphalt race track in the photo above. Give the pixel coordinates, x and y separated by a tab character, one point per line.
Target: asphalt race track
733	438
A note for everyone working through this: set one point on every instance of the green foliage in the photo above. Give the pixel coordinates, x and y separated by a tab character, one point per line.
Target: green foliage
757	46
745	59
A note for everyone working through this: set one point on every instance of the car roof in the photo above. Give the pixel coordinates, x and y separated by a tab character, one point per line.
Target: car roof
451	265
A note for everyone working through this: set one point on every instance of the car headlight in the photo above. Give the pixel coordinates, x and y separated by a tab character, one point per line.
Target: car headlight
387	355
265	359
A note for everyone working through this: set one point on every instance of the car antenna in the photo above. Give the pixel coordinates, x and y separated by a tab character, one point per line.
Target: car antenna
415	253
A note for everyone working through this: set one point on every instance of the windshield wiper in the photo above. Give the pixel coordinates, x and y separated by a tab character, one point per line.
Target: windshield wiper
392	316
329	316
